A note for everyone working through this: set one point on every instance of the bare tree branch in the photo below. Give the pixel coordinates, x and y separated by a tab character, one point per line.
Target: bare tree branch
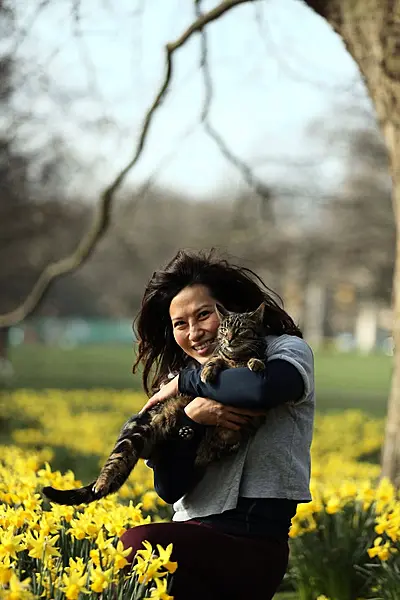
24	32
284	64
103	216
262	190
150	182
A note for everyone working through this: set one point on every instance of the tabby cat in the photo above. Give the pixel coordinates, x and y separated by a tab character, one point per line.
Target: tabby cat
240	342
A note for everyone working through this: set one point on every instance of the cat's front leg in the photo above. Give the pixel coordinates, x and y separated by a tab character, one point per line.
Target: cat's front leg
211	369
256	364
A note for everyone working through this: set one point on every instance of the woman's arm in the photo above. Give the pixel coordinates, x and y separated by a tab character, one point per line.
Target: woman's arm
173	466
280	382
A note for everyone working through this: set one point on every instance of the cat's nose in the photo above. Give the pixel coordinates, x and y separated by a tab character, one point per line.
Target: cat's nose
229	336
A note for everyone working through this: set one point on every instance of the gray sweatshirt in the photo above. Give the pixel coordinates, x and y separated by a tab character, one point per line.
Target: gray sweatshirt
275	462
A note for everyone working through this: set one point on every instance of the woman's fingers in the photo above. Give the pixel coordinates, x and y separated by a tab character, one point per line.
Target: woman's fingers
210	412
234	418
230	419
229	425
150	403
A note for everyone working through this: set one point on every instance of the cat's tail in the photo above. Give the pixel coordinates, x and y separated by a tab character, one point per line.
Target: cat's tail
83	495
112	476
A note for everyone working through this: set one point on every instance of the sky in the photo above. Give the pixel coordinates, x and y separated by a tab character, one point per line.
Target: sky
281	79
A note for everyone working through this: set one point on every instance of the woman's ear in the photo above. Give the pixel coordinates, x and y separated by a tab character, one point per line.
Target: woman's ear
258	314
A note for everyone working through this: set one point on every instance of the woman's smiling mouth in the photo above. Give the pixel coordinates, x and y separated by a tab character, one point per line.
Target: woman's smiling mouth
204	346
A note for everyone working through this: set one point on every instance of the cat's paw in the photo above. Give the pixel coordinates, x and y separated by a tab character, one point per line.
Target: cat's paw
101	486
209	373
99	489
255	364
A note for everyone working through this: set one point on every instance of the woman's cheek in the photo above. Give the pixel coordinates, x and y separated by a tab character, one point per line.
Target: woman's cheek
179	338
215	324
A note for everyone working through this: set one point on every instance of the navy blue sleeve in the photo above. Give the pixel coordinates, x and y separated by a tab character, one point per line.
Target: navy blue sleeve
279	382
174	470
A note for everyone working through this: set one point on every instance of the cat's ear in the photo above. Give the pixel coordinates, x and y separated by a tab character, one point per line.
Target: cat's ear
221	311
258	314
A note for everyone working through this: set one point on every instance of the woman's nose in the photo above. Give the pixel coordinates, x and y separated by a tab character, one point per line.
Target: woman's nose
195	333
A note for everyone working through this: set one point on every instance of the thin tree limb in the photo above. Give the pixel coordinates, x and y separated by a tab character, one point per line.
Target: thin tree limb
103	216
284	64
262	190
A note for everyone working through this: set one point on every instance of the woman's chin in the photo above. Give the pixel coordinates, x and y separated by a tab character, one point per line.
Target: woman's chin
202	358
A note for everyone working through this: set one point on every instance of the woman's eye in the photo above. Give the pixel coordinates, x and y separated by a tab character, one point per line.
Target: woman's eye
204	313
179	323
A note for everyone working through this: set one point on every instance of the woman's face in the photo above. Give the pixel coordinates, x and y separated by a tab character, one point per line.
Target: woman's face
194	321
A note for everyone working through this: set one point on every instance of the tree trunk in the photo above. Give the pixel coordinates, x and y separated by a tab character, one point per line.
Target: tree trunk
366	327
315	296
370	30
4	331
391	449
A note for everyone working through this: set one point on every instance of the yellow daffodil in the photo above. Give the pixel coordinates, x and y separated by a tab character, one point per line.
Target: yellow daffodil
116	526
60	512
32	501
382	551
149	566
101	543
6	570
100	579
333	505
76	564
74	584
77	529
149	500
165	555
159	591
17	590
385	493
11	544
118	556
41	546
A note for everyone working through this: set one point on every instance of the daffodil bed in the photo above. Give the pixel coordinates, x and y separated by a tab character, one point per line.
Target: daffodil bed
344	544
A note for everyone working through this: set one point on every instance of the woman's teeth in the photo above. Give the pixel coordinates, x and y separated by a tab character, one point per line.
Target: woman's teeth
203	346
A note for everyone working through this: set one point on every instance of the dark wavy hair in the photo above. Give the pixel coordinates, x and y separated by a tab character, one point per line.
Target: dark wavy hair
237	288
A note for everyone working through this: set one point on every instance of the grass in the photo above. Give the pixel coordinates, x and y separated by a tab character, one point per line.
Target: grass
83	367
352	381
342	380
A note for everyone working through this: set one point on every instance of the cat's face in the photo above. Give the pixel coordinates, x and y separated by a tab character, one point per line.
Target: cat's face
239	333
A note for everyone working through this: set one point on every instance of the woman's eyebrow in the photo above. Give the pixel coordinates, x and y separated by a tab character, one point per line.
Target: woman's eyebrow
203	306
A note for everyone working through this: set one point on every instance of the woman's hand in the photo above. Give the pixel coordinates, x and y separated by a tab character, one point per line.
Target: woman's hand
209	412
169	390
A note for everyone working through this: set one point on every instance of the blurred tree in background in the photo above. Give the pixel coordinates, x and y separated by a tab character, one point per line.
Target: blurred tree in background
305	241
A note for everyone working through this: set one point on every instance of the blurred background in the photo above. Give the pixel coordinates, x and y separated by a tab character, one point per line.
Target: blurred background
265	147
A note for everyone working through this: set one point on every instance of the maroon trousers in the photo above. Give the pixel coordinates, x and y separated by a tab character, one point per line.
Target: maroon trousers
213	565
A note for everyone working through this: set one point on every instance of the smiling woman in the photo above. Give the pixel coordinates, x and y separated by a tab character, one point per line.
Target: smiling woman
237	510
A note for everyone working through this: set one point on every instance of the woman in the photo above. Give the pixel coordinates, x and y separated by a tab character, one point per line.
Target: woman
231	522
